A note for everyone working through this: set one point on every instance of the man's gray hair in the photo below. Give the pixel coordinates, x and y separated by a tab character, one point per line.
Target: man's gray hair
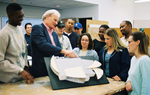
50	12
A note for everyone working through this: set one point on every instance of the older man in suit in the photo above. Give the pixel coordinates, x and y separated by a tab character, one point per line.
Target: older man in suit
45	43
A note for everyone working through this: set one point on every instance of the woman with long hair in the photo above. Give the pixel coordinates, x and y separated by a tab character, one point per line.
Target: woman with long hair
139	72
114	56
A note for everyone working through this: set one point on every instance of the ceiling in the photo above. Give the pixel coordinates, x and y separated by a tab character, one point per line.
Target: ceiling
56	4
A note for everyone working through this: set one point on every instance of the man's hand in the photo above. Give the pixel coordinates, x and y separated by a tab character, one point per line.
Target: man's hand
129	86
29	78
68	53
71	54
117	78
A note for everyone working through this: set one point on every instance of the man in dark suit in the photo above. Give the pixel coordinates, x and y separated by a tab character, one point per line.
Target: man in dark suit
45	43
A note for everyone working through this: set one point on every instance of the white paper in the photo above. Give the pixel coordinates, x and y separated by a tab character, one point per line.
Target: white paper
99	72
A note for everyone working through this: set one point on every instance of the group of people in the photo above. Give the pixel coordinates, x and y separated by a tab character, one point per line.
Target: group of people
54	37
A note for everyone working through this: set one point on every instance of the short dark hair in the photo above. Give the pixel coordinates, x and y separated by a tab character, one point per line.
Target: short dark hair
128	23
104	26
27	24
13	7
90	46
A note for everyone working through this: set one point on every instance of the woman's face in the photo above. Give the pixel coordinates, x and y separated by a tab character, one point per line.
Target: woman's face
85	41
108	40
101	33
132	46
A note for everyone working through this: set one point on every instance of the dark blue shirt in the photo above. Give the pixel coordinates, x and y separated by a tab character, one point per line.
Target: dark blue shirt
28	40
73	37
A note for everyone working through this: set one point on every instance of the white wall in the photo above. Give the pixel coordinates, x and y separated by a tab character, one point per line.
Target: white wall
33	14
82	12
142	11
29	11
142	15
115	11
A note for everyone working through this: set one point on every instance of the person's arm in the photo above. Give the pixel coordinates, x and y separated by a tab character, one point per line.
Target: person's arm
145	76
125	64
95	55
27	76
39	39
128	86
5	64
68	53
101	52
28	44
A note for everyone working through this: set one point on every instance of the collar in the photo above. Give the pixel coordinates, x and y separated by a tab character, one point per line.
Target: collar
48	28
67	33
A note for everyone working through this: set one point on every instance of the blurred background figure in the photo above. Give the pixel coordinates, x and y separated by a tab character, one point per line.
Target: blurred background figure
99	43
73	37
64	41
126	30
78	28
28	28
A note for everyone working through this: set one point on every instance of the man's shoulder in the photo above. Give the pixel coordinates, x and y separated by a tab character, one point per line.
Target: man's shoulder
54	33
75	34
5	31
38	25
65	37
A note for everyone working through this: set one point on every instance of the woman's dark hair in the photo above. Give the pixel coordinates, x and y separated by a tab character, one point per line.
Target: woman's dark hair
104	26
90	46
144	41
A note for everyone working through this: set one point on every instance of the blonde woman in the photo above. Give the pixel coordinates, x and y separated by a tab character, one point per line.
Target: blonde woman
114	56
139	73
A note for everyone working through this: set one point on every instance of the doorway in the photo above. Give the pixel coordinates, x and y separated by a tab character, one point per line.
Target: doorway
83	22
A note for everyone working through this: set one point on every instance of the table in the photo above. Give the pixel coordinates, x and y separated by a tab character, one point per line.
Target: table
42	86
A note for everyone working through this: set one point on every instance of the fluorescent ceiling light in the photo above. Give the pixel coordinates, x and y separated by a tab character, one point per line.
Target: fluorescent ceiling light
141	1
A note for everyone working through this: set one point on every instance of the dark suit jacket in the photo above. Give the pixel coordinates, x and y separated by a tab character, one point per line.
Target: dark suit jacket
28	40
42	47
119	63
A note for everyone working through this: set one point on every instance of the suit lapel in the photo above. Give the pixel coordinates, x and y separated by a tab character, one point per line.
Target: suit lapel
46	33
